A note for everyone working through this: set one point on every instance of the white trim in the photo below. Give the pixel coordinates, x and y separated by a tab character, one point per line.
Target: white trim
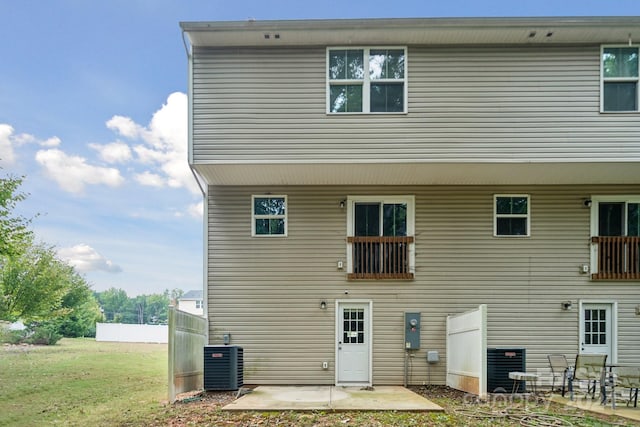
409	200
495	216
338	304
366	81
614	325
619	79
254	216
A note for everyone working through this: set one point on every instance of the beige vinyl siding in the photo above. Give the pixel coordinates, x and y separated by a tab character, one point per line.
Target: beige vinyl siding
534	103
267	291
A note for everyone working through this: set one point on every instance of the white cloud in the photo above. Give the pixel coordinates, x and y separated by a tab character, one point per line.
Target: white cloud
72	173
125	127
150	179
50	142
7	155
115	152
196	210
164	143
9	140
84	258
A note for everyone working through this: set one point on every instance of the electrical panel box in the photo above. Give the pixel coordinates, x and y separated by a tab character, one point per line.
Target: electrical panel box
412	331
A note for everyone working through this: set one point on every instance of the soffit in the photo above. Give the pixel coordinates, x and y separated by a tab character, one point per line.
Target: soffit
414	31
421	174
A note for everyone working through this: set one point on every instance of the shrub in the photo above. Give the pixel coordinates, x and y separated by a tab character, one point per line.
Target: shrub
45	334
10	336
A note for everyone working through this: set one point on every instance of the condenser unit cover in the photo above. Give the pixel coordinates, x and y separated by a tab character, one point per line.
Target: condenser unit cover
223	367
501	361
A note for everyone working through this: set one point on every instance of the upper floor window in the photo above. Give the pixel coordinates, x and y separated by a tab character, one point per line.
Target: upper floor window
511	215
367	80
269	215
620	76
198	303
380	238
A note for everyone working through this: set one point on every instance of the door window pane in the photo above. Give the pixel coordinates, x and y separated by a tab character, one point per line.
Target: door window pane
633	219
367	220
610	219
394	219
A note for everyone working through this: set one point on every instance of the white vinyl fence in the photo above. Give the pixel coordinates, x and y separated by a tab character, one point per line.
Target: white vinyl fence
121	332
467	351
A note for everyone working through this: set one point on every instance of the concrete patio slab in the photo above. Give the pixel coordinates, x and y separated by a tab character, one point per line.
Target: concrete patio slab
593	405
332	398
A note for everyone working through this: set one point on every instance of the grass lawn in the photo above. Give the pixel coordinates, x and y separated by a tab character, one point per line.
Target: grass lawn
80	382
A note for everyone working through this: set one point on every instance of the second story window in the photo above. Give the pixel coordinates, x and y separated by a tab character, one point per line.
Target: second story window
367	80
620	76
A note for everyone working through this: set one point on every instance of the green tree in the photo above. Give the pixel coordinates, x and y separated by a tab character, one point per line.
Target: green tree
81	310
33	284
14	229
114	304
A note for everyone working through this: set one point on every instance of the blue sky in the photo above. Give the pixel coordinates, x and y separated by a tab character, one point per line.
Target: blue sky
93	113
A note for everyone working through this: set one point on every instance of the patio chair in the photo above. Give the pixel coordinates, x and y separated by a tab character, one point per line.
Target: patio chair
589	368
559	367
629	377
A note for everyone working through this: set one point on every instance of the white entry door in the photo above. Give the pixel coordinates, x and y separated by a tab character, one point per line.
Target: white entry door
596	329
353	343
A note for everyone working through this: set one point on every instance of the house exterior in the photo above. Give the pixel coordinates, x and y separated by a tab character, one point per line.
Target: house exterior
358	170
192	302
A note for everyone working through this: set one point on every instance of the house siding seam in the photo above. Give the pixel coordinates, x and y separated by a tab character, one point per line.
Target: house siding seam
267	292
480	103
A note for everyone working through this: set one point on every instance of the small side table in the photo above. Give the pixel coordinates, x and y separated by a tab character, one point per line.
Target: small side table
518	377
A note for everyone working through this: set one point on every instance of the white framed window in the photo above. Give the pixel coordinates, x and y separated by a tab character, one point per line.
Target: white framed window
380	237
619	79
511	213
268	216
615	237
366	80
198	303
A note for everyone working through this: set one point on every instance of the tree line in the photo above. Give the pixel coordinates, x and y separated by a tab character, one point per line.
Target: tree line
47	294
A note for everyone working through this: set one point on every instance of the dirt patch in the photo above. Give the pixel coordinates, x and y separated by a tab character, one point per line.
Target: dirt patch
461	409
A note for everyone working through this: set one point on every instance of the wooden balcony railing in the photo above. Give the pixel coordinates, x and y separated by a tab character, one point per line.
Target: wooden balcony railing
380	257
618	258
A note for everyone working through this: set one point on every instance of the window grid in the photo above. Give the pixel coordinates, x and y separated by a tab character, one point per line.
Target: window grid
511	215
269	216
353	326
595	326
359	80
620	79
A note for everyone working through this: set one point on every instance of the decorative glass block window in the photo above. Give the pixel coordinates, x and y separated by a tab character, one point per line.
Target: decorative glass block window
366	80
269	216
511	215
620	76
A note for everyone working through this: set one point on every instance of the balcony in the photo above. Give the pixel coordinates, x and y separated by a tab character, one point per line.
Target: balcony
618	258
380	257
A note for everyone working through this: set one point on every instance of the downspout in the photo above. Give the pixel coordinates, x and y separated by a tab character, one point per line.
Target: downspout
200	181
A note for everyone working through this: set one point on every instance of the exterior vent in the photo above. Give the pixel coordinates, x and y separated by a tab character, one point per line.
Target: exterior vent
501	361
223	367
